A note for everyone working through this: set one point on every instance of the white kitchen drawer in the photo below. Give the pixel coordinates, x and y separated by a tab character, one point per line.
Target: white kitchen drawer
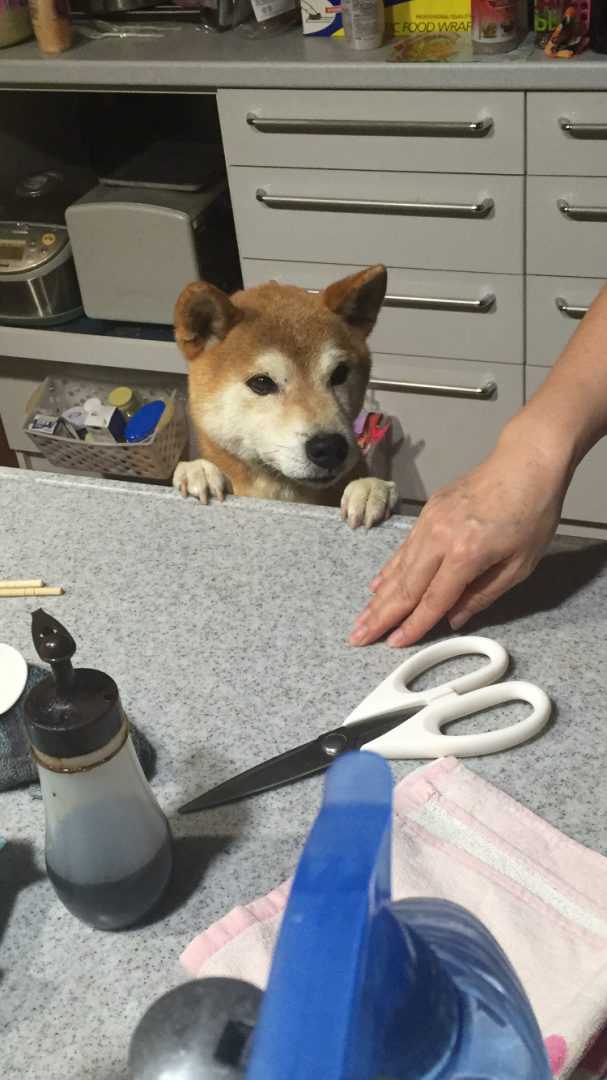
587	496
558	150
493	329
355	125
442	436
558	243
491	240
555	307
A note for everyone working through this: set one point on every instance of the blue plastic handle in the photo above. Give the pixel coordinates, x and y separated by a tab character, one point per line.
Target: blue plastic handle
343	968
361	989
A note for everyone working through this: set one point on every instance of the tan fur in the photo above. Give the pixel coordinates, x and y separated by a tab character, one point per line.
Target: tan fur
255	444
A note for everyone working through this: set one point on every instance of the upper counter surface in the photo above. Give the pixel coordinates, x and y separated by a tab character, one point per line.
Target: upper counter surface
191	58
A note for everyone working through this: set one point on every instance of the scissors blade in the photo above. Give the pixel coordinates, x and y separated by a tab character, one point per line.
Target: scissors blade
297	764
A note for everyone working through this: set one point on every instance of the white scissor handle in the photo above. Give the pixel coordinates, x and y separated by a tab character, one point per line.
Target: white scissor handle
394	694
420	736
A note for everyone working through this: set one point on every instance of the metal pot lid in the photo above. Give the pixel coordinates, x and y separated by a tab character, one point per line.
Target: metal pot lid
38	184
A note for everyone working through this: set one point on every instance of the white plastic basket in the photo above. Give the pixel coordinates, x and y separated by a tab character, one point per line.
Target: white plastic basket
155	458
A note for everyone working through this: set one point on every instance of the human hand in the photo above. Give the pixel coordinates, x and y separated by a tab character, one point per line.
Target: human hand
472	542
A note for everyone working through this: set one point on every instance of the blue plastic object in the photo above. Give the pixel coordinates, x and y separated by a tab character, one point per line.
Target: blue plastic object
362	989
142	424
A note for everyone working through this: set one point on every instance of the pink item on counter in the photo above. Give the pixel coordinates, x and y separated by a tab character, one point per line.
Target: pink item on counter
542	895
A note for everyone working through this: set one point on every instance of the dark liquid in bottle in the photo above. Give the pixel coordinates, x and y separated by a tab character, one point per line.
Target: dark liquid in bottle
111	905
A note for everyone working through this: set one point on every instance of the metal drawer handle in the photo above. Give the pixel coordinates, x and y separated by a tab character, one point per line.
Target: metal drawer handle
583	131
425	303
570	309
479	393
435	303
582	213
369	206
446	129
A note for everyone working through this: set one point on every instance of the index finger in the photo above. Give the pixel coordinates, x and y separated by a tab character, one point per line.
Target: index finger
442	594
395	598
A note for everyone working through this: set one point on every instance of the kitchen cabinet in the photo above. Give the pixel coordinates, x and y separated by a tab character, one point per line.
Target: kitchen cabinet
441	205
437	221
467	316
555	306
491	263
566	134
566	225
380	131
566	252
486	200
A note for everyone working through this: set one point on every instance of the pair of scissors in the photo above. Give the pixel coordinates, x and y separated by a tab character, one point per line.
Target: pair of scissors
399	723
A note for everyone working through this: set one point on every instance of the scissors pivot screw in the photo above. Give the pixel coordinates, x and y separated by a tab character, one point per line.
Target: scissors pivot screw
334	744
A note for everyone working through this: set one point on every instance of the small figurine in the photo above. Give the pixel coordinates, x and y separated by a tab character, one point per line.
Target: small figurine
368	430
570	38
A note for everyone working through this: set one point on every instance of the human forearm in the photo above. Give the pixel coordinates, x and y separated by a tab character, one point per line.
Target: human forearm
568	413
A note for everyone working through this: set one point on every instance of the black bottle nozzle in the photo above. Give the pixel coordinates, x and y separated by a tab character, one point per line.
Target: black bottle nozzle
55	645
71	713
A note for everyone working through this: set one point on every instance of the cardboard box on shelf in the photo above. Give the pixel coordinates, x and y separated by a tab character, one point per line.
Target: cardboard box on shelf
323	19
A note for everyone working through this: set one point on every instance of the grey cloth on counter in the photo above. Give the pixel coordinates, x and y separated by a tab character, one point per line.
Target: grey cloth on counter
16	763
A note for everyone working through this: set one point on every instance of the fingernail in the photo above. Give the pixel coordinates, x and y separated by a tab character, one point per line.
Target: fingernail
358	636
396	639
459	619
376	582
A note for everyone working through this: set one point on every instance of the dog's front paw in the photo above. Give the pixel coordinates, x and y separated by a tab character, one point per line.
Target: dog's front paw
369	500
201	478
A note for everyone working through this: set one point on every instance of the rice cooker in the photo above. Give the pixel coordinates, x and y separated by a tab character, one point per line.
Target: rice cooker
38	284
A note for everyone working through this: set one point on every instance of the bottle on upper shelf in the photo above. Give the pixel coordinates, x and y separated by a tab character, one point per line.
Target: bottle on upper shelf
52	21
494	26
127	401
273	17
364	23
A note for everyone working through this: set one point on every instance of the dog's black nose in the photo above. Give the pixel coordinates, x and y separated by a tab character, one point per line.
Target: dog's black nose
327	451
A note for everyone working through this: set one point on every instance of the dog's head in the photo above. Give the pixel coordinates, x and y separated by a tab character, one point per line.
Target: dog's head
277	375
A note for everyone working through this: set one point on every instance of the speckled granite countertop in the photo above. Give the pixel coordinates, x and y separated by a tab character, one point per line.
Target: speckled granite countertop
190	58
225	628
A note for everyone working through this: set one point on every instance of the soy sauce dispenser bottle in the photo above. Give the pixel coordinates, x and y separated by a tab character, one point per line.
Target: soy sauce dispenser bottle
108	844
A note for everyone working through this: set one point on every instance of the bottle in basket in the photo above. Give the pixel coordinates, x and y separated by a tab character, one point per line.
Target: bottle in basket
144	422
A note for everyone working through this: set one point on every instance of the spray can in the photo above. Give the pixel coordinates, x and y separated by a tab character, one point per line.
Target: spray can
363	23
494	26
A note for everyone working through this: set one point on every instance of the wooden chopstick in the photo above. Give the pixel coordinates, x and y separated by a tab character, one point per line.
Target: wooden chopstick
37	584
32	592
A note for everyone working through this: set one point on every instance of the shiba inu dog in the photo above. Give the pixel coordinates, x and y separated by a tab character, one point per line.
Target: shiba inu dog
277	378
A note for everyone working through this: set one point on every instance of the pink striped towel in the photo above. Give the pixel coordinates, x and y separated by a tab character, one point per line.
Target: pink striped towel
542	895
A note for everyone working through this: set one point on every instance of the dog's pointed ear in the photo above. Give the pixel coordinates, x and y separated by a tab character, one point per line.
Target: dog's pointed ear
358	298
203	316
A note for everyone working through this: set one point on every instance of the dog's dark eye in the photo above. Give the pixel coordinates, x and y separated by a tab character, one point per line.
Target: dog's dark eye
340	375
262	384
